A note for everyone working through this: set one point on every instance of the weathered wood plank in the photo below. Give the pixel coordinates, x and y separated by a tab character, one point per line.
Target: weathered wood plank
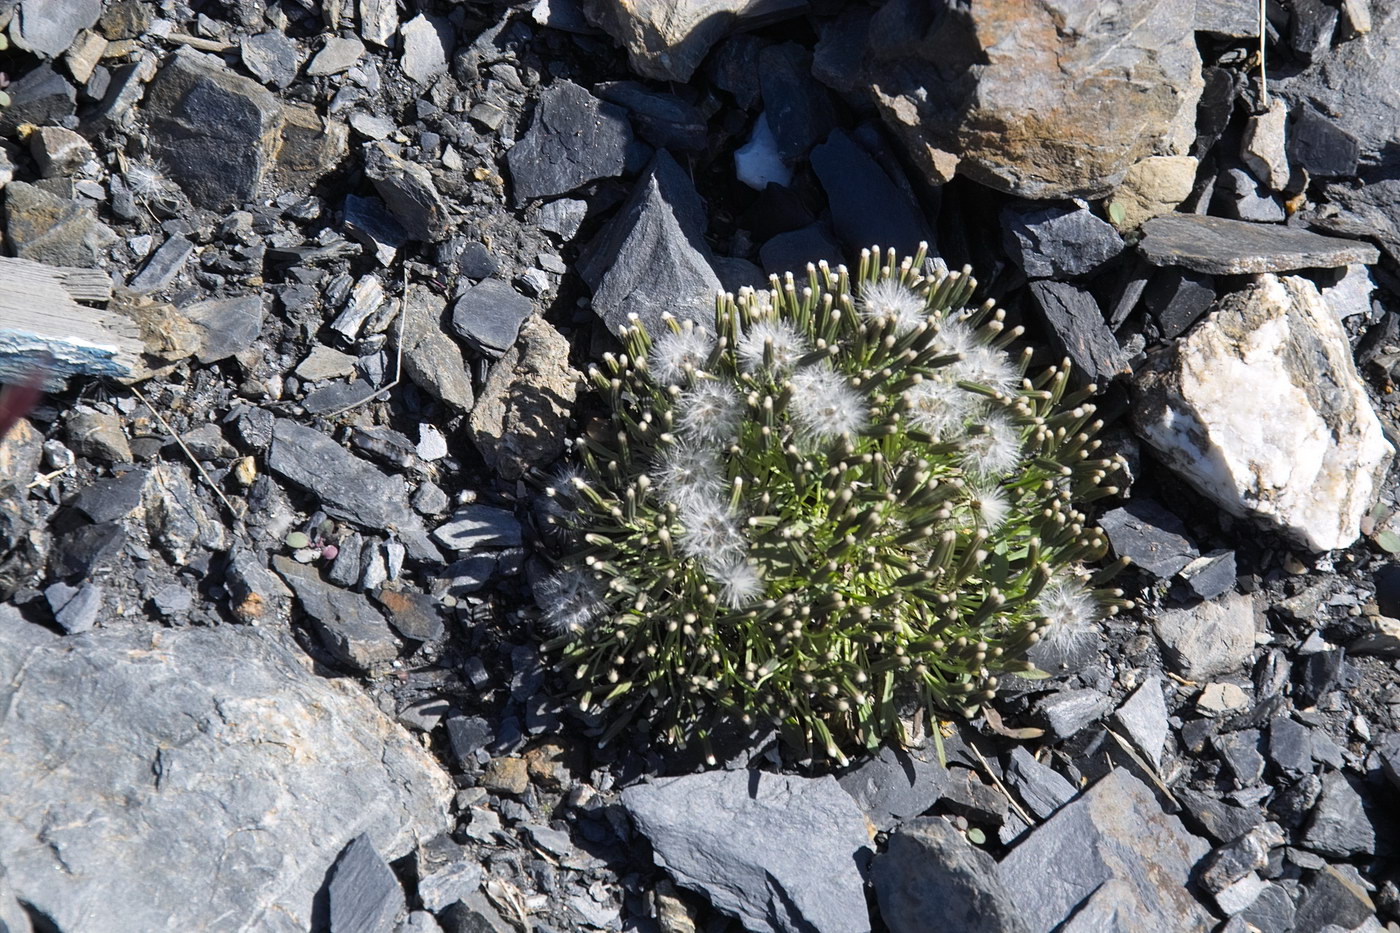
42	328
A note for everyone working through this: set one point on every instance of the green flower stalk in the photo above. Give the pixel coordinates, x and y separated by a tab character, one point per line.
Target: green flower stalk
834	498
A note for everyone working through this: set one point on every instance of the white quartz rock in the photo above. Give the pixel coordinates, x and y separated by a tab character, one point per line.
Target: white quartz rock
1261	409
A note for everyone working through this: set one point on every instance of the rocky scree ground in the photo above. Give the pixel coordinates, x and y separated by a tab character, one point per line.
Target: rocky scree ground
280	673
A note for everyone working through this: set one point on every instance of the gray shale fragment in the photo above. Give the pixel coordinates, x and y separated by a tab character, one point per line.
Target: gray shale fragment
777	851
1233	247
931	877
168	746
349	488
1114	830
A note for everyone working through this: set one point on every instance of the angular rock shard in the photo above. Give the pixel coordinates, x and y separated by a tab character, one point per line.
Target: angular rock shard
777	851
1301	450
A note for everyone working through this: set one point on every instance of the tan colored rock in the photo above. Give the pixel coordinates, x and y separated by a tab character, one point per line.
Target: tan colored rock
667	40
519	421
1151	188
1039	98
1260	408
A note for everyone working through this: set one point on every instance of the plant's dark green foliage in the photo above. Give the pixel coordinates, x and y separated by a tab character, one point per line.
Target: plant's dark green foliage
837	496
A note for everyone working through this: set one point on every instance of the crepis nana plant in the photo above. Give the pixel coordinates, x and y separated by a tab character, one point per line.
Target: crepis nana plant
836	497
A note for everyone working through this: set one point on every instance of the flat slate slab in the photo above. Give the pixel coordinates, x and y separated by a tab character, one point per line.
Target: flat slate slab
192	778
1116	830
778	851
1233	247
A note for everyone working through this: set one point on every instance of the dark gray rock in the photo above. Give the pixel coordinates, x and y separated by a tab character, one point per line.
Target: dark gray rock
968	796
1319	146
488	316
353	632
931	876
43	227
1040	788
1066	712
799	110
431	358
1340	826
408	191
1351	85
447	872
781	853
470	258
416	616
652	257
48	29
227	325
369	221
150	731
573	139
1237	858
473	914
75	608
1209	639
1335	898
1078	330
1221	821
896	784
41	97
478	526
791	251
664	120
80	553
1290	746
1239	755
1232	247
1114	830
272	58
363	895
216	132
1210	575
1317	674
1057	241
254	591
468	739
1143	716
180	518
108	500
1153	538
348	488
165	263
562	217
1273	911
1239	195
867	208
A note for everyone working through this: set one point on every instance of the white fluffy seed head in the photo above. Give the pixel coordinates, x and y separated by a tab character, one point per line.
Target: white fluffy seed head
710	411
824	405
688	471
994	451
788	346
954	337
938	406
571	600
710	534
739	583
1066	603
887	301
989	503
673	354
147	181
986	366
